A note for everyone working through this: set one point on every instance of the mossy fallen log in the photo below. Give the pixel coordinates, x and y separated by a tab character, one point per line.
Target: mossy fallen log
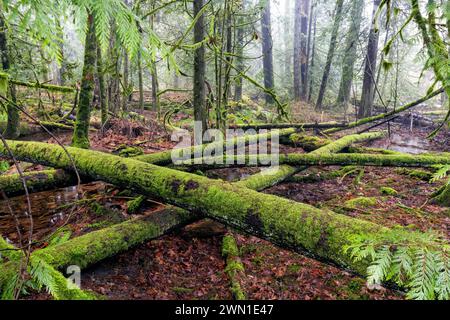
234	267
324	159
41	273
313	125
93	247
307	142
27	129
322	176
290	224
36	181
273	176
386	115
165	157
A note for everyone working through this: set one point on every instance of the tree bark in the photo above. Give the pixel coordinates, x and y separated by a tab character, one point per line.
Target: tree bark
80	137
165	157
13	128
267	46
200	114
287	45
385	115
350	55
297	49
102	86
36	181
368	89
304	48
313	59
140	80
330	55
95	246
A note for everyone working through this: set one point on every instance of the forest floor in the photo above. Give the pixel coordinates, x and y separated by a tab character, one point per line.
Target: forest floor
188	264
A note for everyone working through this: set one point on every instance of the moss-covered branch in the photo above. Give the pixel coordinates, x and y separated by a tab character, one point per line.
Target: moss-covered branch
234	268
276	175
324	125
165	157
36	181
98	245
324	159
48	87
386	115
27	129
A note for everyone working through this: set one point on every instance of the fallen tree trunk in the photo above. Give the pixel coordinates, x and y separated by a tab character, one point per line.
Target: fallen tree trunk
324	159
27	129
313	125
306	142
320	233
165	157
98	245
235	268
36	181
385	115
273	176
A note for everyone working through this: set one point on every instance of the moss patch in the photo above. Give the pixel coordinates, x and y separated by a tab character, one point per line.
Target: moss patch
361	202
388	191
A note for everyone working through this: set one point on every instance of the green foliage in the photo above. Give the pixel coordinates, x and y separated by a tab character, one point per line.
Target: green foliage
388	191
416	261
441	173
60	236
4	166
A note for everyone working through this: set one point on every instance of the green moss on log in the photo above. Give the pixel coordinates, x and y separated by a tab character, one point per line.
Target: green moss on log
294	225
388	191
48	87
415	173
307	142
234	267
98	245
165	158
134	205
274	176
36	181
361	202
443	196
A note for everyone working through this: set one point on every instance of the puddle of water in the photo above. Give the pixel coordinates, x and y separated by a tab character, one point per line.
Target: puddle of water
49	208
405	144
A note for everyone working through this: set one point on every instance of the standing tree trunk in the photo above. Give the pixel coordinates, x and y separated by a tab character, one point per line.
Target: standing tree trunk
125	83
287	45
200	114
368	89
350	53
304	48
141	81
12	128
267	44
239	59
332	48
80	137
102	86
155	88
313	59
308	51
154	73
297	49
